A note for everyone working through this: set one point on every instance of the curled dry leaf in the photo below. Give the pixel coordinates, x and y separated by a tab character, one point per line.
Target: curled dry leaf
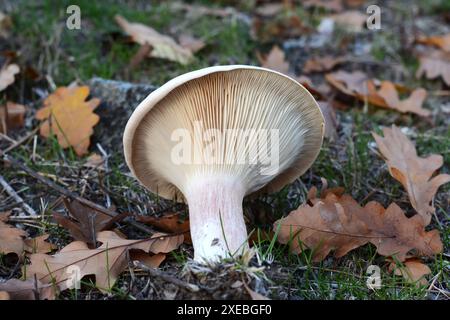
339	223
105	262
412	270
150	260
321	64
12	116
7	74
27	290
434	65
88	222
442	42
413	172
70	117
164	47
170	223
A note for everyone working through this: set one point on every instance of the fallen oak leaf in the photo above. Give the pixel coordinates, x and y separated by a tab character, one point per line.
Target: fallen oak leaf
442	42
105	262
412	270
321	64
88	222
434	65
411	104
27	290
163	46
7	74
413	172
275	60
151	261
340	224
70	117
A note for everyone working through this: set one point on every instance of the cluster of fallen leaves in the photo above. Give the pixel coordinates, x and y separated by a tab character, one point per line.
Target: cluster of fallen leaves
97	251
334	221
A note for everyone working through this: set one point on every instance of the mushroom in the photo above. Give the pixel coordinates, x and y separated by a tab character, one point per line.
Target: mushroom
213	136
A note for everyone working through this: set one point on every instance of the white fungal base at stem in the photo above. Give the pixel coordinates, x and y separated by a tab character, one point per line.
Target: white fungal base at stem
216	218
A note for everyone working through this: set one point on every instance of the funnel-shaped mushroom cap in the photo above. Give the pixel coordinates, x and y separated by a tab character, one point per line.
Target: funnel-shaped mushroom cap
253	124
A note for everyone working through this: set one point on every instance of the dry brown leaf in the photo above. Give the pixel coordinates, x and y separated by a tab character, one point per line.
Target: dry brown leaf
27	290
88	222
351	20
321	64
169	223
105	262
11	239
151	261
442	42
269	9
7	74
413	172
358	85
164	47
275	60
338	223
39	245
95	161
330	120
434	65
191	43
413	271
411	104
350	83
12	116
70	117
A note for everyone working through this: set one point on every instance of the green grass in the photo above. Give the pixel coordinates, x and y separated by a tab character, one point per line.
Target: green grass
100	48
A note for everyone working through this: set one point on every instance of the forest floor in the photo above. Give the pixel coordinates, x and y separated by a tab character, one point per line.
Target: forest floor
54	56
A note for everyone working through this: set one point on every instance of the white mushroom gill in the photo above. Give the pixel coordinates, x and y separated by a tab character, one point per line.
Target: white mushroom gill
211	139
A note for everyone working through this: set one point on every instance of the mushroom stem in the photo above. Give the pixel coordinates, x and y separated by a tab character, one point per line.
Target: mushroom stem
216	218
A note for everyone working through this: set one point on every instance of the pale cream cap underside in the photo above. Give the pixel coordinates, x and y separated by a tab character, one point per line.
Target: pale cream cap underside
223	97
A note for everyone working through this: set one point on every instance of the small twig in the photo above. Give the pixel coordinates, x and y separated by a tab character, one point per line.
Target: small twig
105	164
21	141
16	197
71	194
156	273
